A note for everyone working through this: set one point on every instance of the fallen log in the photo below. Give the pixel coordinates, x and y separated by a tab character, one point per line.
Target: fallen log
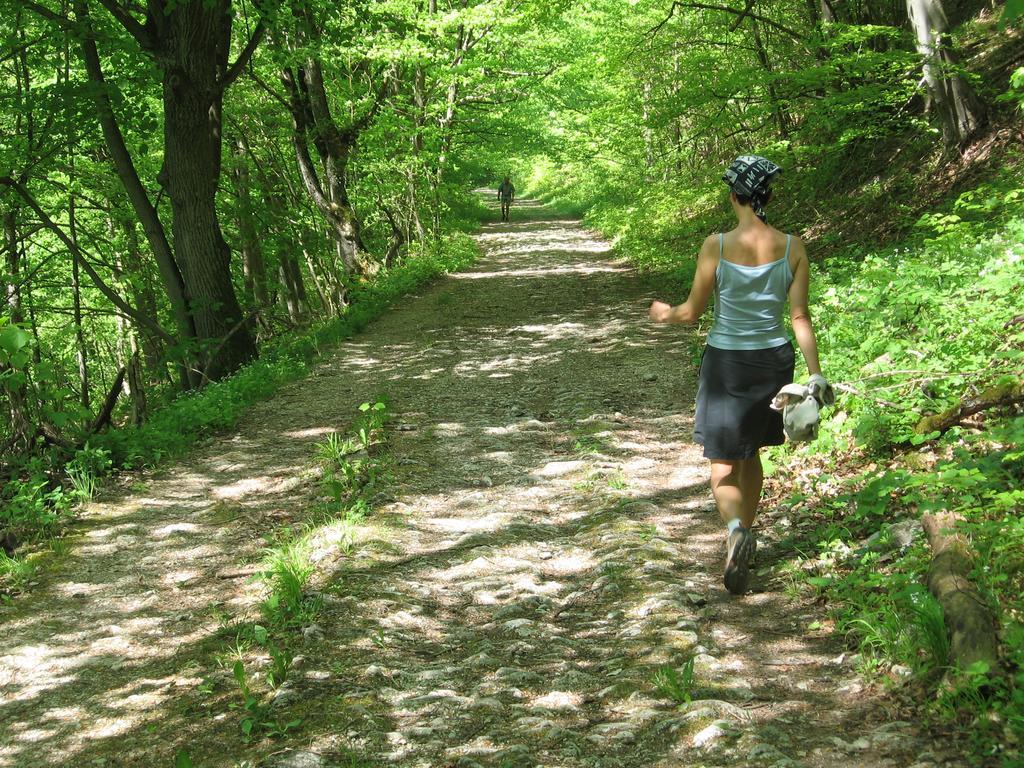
972	636
53	436
994	397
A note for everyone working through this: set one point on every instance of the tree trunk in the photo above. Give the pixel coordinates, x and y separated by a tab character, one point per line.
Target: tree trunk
312	120
819	13
447	119
129	359
961	112
76	298
326	303
153	228
971	628
128	349
195	42
398	237
253	267
335	147
445	125
328	282
766	65
190	42
294	294
20	430
645	116
677	122
419	100
145	299
332	278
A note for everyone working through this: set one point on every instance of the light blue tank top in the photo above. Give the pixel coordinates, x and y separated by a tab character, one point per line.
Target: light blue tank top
749	302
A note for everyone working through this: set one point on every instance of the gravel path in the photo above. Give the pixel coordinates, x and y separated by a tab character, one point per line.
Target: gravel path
547	547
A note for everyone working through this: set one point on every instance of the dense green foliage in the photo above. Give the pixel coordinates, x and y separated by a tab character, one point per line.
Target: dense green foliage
173	210
911	331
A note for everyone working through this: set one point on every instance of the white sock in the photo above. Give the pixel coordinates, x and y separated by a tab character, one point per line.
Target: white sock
733	524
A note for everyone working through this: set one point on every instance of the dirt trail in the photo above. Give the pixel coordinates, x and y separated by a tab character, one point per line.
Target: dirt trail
549	544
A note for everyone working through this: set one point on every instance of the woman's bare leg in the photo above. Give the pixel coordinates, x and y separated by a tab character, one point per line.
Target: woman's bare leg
751	482
733	484
726	487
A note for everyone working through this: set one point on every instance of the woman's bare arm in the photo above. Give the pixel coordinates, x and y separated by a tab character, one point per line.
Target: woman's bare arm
800	313
700	292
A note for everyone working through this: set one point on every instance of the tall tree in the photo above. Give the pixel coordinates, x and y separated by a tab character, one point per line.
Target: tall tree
332	133
191	43
961	112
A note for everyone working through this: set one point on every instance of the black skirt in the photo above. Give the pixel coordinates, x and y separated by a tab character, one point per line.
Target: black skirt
734	391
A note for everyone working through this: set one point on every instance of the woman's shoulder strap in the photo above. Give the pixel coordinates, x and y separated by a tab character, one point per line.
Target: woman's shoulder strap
790	262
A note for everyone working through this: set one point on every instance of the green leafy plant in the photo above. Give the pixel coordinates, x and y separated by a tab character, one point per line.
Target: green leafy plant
335	449
929	628
676	684
253	712
370	426
350	466
281	658
617	481
34	505
15	353
255	715
287	569
15	572
85	469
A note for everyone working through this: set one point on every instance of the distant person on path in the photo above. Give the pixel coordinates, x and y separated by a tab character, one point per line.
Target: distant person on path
752	270
506	194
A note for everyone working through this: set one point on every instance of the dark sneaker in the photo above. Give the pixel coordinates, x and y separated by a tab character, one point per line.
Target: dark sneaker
737	569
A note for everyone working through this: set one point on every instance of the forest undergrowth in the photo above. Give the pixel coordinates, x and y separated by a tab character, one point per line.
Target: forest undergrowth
48	488
905	335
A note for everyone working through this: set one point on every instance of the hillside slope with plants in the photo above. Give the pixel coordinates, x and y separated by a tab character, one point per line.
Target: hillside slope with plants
917	243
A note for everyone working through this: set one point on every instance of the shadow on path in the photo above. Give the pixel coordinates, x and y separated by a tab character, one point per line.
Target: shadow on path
550	547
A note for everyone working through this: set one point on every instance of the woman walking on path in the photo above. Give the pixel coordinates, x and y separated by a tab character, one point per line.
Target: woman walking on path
752	270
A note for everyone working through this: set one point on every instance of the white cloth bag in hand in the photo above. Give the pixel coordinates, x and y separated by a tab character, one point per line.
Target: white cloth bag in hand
801	406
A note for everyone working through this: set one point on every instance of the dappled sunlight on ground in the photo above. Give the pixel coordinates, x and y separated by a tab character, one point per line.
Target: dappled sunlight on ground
545	546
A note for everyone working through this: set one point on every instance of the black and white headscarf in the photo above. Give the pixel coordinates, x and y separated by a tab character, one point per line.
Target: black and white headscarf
751	176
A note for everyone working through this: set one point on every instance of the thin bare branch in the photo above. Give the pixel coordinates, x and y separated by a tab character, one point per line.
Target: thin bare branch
245	56
726	9
135	28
